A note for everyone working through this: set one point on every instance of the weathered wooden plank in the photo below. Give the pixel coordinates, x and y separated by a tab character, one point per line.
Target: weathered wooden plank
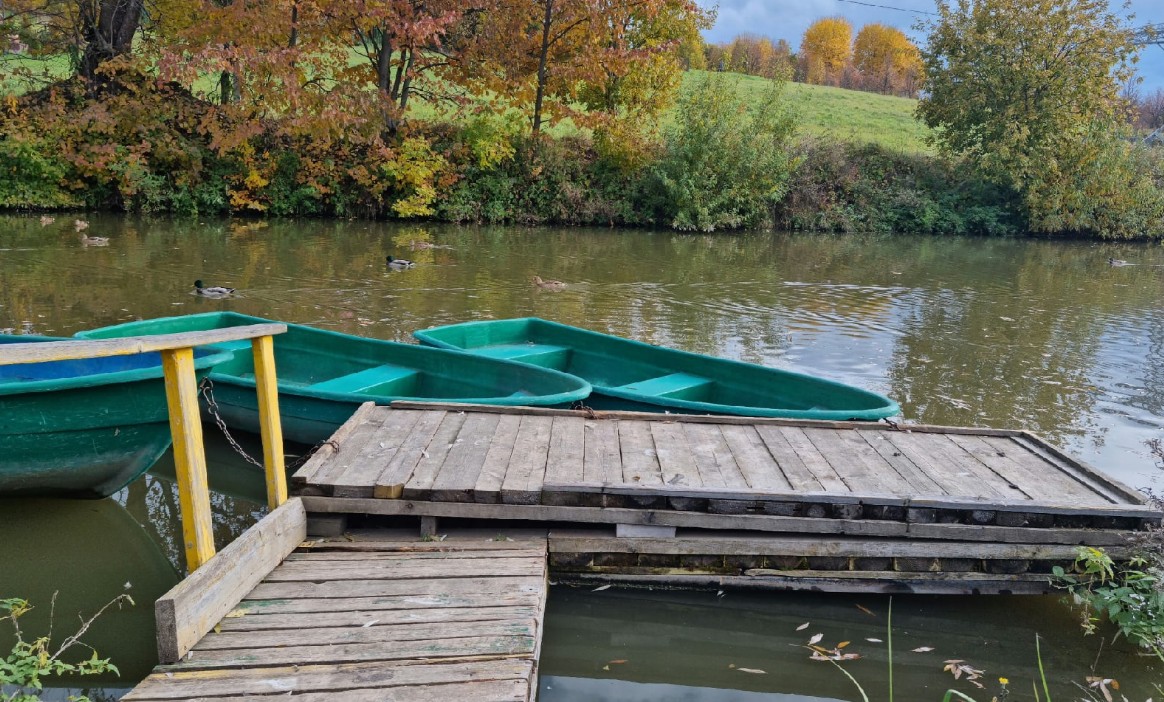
401	570
359	479
919	482
390	482
567	449
984	474
676	461
349	616
389	588
192	607
100	348
640	462
602	461
497	458
321	556
375	675
863	582
379	632
394	603
361	442
752	456
1035	478
460	541
1102	485
919	451
713	457
527	465
813	460
791	465
458	475
332	446
858	465
492	646
485	690
433	457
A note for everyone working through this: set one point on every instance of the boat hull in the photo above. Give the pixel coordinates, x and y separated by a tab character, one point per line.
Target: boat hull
83	428
627	374
323	376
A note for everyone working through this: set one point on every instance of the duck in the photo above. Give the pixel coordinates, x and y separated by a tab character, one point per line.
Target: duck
94	240
80	225
212	291
1118	262
548	284
46	220
399	263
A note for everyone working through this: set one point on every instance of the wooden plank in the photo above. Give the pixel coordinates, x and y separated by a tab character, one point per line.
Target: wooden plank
390	483
270	422
332	446
192	607
935	465
433	457
375	675
861	582
527	465
40	352
363	467
567	449
189	456
458	475
322	556
602	460
858	465
379	632
389	588
1103	486
360	443
1122	491
491	690
1025	470
640	462
401	570
497	458
752	456
799	477
713	457
919	481
983	473
676	461
813	460
394	603
350	617
492	646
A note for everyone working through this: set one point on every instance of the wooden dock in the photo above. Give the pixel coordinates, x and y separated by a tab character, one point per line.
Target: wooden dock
768	502
381	616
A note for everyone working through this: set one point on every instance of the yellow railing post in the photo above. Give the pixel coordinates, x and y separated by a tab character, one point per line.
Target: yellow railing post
189	455
270	424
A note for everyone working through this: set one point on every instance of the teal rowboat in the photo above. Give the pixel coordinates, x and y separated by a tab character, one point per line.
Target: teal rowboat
324	376
629	374
83	428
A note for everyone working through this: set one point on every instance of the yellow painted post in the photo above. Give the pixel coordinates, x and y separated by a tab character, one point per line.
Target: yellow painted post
270	424
189	455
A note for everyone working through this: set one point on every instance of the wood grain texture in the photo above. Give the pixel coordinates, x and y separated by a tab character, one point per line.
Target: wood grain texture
69	350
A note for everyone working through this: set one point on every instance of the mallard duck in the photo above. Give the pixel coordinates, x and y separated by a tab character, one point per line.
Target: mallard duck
212	291
80	225
399	263
548	284
45	220
94	240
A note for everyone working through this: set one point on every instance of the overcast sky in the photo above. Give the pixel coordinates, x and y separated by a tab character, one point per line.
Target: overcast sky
787	19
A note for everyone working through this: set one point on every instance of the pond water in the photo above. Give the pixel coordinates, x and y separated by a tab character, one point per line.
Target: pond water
1039	335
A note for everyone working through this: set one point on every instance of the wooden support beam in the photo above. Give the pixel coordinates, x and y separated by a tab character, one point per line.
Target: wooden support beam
189	455
39	352
270	423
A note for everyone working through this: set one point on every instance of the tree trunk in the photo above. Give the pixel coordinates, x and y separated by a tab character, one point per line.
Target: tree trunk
108	34
384	64
543	59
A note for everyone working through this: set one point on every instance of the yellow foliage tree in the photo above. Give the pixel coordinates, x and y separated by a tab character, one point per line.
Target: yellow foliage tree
825	50
888	61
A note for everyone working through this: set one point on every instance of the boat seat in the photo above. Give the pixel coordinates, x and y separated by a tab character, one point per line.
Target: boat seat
537	354
366	379
668	385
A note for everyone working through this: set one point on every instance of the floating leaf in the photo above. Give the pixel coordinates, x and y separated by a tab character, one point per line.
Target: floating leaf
803	626
815	639
923	649
754	671
866	610
842	644
617	661
600	588
874	640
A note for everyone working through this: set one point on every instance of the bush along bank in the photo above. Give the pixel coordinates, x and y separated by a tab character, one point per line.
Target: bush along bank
722	164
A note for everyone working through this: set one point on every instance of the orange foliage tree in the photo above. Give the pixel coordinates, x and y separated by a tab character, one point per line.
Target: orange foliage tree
825	50
887	60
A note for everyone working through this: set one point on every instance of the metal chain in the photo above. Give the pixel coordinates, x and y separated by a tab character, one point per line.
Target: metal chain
206	387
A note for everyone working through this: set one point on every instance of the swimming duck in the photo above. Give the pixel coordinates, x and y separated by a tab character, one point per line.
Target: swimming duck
80	225
548	284
45	220
1118	262
399	263
94	240
212	291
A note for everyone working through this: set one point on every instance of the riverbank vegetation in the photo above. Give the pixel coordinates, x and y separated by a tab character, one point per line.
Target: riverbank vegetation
545	112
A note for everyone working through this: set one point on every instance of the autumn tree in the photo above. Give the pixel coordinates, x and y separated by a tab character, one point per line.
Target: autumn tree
887	60
1027	91
825	50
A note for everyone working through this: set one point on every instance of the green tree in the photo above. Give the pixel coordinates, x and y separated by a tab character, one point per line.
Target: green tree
1028	91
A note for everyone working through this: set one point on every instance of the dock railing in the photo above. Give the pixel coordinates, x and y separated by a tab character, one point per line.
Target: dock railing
177	351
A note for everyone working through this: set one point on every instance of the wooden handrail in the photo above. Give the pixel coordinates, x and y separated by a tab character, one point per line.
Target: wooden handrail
177	351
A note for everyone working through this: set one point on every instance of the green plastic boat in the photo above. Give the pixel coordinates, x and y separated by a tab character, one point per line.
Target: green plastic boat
83	428
629	374
324	376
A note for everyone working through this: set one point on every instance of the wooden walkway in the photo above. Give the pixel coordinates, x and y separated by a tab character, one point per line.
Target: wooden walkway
370	617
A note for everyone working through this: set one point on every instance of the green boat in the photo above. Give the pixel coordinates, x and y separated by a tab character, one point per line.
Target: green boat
632	375
324	376
83	428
